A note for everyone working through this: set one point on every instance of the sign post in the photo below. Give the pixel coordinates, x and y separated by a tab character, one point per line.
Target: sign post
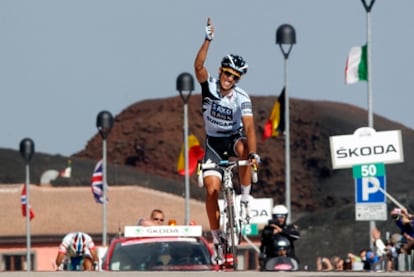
363	147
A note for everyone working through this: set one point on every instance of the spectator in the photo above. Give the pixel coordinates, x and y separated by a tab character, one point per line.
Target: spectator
383	250
335	263
156	218
338	263
405	223
77	252
323	264
358	261
347	266
374	261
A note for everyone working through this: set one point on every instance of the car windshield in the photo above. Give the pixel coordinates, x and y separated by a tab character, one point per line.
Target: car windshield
160	255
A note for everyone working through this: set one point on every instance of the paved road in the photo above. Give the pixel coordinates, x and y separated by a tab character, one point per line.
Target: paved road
204	274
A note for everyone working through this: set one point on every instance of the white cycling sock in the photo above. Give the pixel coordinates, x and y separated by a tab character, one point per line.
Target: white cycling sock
245	193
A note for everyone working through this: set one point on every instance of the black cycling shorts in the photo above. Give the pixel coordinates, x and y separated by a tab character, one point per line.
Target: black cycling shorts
222	148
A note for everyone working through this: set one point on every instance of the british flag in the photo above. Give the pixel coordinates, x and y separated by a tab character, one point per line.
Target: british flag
97	183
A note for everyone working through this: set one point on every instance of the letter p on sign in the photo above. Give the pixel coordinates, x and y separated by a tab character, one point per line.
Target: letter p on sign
370	185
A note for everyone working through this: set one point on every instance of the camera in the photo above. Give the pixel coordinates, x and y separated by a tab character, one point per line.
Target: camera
275	222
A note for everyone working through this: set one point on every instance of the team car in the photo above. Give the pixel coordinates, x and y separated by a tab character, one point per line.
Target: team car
159	248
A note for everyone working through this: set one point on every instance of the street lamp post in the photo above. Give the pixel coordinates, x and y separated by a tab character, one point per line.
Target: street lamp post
368	8
27	151
185	86
286	36
104	122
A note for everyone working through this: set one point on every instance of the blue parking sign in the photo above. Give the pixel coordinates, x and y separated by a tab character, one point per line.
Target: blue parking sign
367	189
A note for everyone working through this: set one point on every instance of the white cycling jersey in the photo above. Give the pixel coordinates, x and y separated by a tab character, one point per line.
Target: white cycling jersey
76	244
222	115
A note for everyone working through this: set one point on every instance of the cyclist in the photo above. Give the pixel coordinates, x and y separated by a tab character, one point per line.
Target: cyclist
276	230
230	130
76	252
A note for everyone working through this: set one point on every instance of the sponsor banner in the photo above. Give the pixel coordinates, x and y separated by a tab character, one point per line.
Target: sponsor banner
260	209
366	146
163	231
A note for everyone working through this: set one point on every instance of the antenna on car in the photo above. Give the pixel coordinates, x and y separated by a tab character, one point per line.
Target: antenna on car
119	230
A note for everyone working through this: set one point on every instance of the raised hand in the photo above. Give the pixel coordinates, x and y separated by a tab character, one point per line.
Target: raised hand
209	30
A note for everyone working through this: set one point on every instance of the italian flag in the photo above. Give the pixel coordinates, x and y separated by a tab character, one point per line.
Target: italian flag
356	68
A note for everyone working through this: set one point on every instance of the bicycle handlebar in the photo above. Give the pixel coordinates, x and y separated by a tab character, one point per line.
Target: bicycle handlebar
227	164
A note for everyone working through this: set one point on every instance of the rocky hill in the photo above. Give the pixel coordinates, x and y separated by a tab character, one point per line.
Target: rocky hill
148	136
145	141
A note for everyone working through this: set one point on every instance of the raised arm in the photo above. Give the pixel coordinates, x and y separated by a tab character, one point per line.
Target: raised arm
199	68
248	125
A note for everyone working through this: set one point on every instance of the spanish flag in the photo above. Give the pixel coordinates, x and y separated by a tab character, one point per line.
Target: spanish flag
195	153
275	125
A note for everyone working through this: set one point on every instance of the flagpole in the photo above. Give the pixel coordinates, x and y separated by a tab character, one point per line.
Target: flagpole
369	77
104	122
27	151
104	188
287	144
187	172
285	35
368	8
28	236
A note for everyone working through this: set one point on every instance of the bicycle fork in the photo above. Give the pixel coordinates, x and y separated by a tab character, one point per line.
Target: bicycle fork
232	222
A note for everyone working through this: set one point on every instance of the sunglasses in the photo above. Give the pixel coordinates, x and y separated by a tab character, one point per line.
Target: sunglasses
230	74
158	219
279	216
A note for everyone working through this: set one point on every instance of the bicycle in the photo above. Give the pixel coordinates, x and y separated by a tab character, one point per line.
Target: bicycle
233	221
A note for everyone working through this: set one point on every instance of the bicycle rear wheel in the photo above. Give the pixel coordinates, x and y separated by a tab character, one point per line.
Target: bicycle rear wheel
231	232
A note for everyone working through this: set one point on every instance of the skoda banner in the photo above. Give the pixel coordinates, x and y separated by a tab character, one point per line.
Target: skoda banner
366	146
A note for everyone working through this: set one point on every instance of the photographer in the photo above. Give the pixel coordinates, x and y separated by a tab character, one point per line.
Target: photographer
276	230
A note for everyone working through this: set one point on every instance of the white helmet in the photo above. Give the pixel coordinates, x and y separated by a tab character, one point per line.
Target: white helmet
280	209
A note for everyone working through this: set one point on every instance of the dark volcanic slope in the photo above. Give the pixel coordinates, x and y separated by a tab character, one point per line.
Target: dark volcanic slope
148	136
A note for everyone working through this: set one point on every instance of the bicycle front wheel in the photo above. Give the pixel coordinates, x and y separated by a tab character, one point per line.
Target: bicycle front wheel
231	232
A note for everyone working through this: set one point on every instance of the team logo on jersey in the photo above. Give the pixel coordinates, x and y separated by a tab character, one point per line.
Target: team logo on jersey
221	112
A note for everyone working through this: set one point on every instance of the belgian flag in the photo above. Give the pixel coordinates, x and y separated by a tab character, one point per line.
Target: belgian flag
275	125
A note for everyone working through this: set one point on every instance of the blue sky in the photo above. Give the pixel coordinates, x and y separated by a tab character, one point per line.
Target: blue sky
62	62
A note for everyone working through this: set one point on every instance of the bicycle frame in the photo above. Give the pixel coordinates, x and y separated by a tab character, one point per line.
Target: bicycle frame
231	221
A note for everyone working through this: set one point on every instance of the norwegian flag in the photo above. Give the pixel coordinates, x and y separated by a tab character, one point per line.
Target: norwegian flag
97	183
23	200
